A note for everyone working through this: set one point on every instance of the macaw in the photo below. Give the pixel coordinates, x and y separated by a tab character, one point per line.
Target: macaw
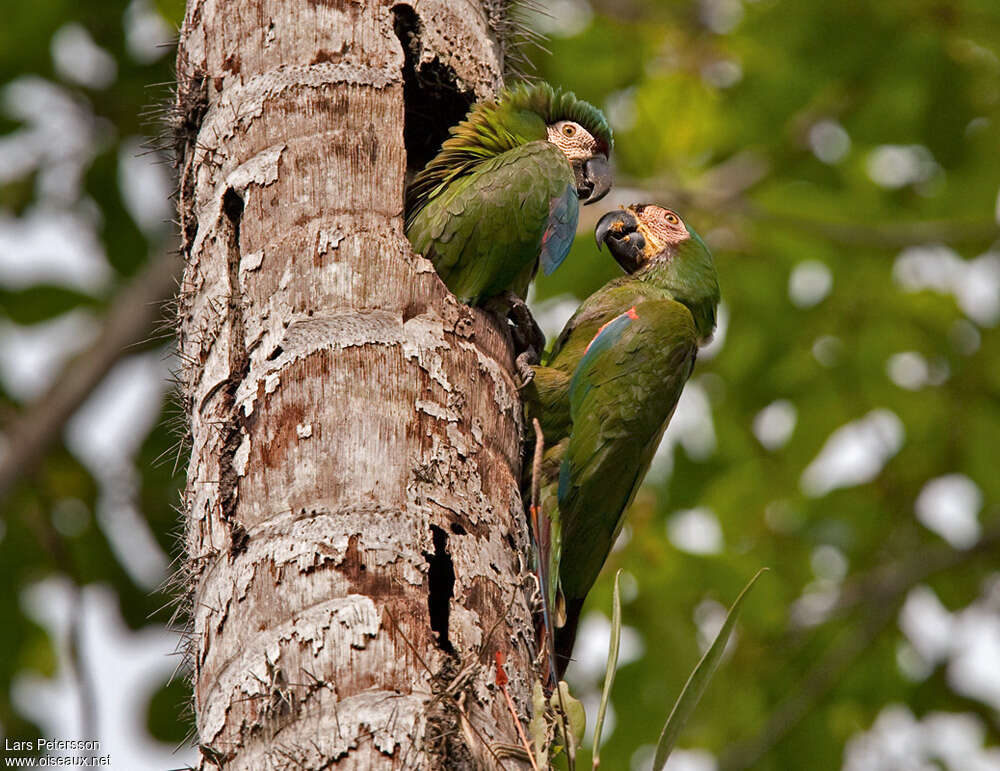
502	195
608	391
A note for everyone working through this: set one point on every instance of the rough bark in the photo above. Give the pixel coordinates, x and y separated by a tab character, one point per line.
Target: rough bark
354	532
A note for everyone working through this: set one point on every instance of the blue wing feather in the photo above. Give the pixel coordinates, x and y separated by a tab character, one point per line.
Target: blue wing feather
564	212
606	337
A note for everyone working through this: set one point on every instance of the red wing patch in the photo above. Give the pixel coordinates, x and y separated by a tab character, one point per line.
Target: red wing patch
631	313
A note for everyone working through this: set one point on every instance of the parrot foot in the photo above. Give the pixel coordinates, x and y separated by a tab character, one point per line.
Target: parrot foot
528	336
523	364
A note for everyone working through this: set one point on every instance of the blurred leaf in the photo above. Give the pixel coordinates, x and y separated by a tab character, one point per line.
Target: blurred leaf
611	668
170	700
698	682
40	303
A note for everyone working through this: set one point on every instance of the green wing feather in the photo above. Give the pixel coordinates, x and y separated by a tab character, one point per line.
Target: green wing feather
484	230
547	396
621	398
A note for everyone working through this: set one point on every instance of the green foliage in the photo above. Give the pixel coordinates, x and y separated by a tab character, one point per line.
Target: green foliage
696	684
727	125
614	646
166	704
50	524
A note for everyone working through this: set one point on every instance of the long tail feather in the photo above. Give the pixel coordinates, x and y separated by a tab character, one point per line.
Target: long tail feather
541	530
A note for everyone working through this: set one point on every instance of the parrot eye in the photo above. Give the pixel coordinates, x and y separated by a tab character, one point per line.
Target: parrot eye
569	130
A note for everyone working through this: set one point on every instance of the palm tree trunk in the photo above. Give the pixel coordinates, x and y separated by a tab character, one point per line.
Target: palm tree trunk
356	545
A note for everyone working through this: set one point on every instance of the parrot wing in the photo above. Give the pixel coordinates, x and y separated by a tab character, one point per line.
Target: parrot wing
487	227
622	395
560	231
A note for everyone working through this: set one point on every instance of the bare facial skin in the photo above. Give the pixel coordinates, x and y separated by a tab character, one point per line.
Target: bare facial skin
662	227
574	140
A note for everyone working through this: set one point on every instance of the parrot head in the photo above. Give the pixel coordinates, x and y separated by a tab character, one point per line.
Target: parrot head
576	127
586	154
641	233
521	114
654	244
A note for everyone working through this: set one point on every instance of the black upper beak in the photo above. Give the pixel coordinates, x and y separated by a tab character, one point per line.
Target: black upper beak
620	231
597	178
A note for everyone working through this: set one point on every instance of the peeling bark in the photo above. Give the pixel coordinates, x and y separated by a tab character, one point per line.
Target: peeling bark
355	538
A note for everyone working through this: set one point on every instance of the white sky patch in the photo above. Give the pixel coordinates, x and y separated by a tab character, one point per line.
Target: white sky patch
624	536
47	246
562	18
628	586
147	34
719	338
585	672
975	284
908	369
931	266
590	657
973	670
691	426
855	453
695	531
145	186
125	667
814	604
78	59
105	434
689	760
809	283
59	138
679	760
927	625
949	505
968	641
591	700
897	740
31	356
895	166
112	424
978	289
709	616
773	426
829	141
720	16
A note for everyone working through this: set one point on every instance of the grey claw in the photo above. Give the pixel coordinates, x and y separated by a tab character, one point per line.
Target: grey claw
524	369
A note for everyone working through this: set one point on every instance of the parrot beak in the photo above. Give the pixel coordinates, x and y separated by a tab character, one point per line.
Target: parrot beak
597	179
620	231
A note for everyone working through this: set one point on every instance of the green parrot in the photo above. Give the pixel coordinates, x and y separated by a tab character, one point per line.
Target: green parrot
607	392
502	195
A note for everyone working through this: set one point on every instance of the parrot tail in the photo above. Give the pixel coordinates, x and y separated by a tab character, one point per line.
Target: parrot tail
566	636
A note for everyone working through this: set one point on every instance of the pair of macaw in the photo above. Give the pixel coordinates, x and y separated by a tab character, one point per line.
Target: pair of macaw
500	199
